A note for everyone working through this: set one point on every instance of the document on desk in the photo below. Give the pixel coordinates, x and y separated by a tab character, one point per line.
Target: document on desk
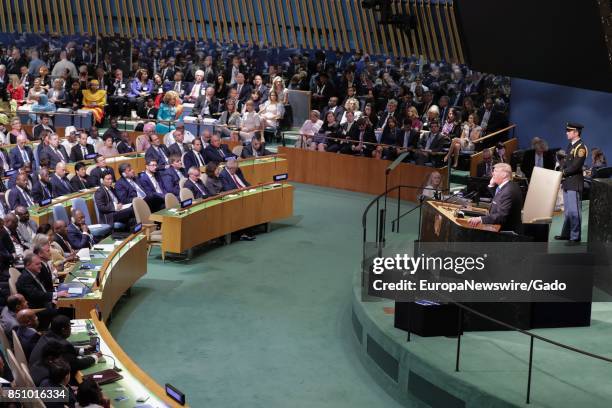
84	254
104	247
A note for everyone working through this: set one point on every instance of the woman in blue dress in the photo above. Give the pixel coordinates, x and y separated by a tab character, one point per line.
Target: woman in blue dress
170	110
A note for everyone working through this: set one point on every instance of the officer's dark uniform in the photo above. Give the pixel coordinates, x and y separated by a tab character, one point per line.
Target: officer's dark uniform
572	184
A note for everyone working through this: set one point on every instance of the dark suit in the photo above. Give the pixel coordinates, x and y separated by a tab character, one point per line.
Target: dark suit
245	92
77	238
36	296
39	128
247	151
28	338
190	160
548	159
153	153
175	149
497	120
54	157
211	154
69	353
182	86
170	181
60	186
16	156
148	113
123	147
506	208
106	207
198	107
78	184
147	185
125	191
368	136
42	191
98	173
228	181
63	242
16	198
197	192
481	169
5	158
337	113
76	153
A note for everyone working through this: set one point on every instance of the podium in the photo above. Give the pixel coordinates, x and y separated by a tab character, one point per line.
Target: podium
440	223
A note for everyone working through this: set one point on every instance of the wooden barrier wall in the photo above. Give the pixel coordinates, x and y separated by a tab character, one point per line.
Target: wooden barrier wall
354	173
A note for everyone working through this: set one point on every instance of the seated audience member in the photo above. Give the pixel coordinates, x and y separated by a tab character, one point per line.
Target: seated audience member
432	141
42	188
60	185
71	139
433	186
55	152
148	110
598	161
195	185
79	235
80	180
158	152
391	135
326	134
271	112
173	175
113	131
433	115
216	151
206	105
151	182
63	262
351	105
8	317
485	167
143	142
125	145
499	153
82	149
59	332
194	157
188	137
213	184
178	147
98	172
230	120
255	149
20	195
108	148
89	395
60	237
309	129
94	100
451	128
5	161
117	95
344	145
39	370
332	106
26	331
126	187
41	105
59	378
36	290
140	88
21	154
74	97
250	123
465	143
111	210
16	130
48	274
170	110
537	156
26	228
15	247
232	177
490	119
363	138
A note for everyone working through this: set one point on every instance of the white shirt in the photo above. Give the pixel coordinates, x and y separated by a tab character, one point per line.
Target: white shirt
309	128
250	122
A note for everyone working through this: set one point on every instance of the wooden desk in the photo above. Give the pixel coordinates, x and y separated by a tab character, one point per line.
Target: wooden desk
45	214
448	210
221	215
136	160
355	173
261	170
121	268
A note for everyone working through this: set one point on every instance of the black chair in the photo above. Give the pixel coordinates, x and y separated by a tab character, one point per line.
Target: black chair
602	172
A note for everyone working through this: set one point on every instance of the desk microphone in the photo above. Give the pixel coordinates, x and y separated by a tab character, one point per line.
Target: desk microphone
115	368
76	278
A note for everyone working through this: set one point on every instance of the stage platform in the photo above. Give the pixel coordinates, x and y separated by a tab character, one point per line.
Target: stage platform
493	365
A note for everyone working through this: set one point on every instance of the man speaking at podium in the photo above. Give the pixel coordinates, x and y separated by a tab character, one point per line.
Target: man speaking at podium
507	201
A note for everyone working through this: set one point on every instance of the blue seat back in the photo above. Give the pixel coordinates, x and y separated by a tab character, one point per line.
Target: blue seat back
80	204
59	213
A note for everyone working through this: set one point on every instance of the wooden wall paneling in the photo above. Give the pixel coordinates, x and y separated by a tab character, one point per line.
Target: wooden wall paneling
340	20
26	11
94	18
373	31
273	23
399	34
18	26
168	15
49	19
193	24
119	19
217	21
356	35
145	21
434	31
365	37
134	25
162	20
321	30
443	33
280	11
332	29
56	18
312	23
240	22
187	18
78	13
455	32
420	4
153	15
231	23
203	32
288	12
304	30
69	13
419	31
251	23
109	22
224	21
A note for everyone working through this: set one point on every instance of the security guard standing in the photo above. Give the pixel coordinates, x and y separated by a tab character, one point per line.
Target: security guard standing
572	184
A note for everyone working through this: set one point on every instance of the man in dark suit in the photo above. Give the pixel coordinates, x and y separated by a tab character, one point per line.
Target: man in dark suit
537	156
124	145
391	111
61	237
231	74
172	176
507	203
21	154
5	160
158	152
167	70
80	180
490	119
148	110
255	149
485	167
260	87
332	106
178	148
151	182
26	331
100	171
321	91
194	157
178	85
81	149
126	187
20	195
194	183
232	177
78	233
55	152
109	207
216	151
60	185
117	95
42	189
206	105
363	138
431	142
243	89
45	124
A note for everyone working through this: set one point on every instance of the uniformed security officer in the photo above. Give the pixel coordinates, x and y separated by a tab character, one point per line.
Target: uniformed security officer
572	184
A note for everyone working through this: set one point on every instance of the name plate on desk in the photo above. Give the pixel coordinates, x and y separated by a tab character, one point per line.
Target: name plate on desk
281	177
91	156
45	202
186	203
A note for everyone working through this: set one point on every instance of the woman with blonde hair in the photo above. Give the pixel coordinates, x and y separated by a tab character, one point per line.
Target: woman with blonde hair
16	90
433	186
170	110
36	90
272	111
279	87
351	104
413	115
94	100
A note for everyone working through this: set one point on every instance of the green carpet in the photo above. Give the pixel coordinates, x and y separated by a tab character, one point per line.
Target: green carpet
259	324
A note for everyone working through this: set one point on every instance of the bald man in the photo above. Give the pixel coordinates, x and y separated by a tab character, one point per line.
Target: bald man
26	331
8	317
79	235
60	185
